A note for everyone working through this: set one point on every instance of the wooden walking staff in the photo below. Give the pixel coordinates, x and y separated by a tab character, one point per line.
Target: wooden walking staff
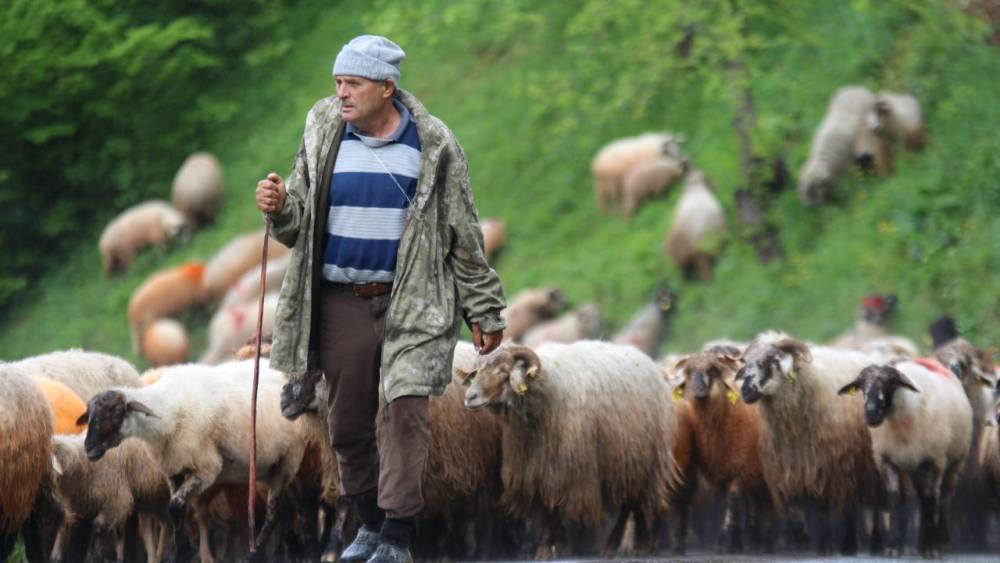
252	482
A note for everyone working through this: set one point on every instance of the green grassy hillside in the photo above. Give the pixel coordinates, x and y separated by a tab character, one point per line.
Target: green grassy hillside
532	92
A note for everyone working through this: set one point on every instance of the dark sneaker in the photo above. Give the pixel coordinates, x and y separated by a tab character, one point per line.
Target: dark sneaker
362	547
388	553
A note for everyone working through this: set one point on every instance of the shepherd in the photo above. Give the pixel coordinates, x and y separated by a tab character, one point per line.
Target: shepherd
387	263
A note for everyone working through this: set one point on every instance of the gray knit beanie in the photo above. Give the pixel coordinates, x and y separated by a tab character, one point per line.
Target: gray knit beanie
370	56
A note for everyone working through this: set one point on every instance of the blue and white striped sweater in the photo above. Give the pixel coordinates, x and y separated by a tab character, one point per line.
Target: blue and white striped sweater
367	209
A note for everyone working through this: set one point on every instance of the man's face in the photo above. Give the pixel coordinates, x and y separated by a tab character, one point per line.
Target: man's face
361	98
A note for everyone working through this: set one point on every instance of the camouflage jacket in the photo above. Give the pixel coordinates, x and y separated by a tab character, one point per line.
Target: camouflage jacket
441	269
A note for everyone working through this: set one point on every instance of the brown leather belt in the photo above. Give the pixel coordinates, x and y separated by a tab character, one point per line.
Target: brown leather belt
369	289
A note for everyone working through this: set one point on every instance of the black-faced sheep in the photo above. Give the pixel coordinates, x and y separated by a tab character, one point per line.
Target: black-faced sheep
813	445
146	224
617	158
580	324
698	227
648	180
236	258
921	426
165	342
164	294
197	188
529	307
587	432
86	373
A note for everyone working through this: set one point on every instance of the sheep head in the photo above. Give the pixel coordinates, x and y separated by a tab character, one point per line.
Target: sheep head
554	302
970	364
879	385
107	417
500	377
770	362
299	396
877	308
707	373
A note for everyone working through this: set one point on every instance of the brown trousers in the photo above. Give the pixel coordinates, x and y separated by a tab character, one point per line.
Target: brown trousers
351	333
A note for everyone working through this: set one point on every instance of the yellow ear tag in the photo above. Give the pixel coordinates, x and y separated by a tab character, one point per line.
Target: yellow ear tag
678	394
852	391
522	389
733	396
792	376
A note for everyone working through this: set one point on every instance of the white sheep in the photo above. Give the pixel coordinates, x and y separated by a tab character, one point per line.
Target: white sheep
165	342
195	420
617	158
86	373
150	223
900	116
494	236
197	188
236	258
231	327
698	227
833	145
247	289
529	307
166	293
812	445
580	324
648	180
587	431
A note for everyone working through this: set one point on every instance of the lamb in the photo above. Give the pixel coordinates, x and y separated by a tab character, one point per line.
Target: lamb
25	451
108	491
529	307
194	421
86	373
231	327
580	324
247	289
150	223
812	445
587	431
197	188
164	294
164	343
698	227
616	159
648	180
64	405
921	427
236	258
646	329
494	236
833	145
727	443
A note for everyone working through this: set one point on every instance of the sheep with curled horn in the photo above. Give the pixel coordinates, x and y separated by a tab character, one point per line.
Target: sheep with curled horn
587	431
814	446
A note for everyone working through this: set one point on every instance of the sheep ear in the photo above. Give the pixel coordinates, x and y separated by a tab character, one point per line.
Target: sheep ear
527	359
56	466
139	407
84	418
517	381
465	377
678	392
851	388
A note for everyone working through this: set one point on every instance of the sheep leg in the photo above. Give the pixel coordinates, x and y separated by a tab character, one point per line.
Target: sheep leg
731	540
927	481
335	542
797	534
895	512
678	519
849	545
201	518
275	504
824	539
148	533
191	486
948	484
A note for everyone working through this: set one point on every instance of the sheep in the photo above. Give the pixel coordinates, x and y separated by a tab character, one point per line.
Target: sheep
194	421
900	117
164	294
698	226
988	458
65	405
150	223
812	445
648	180
231	327
921	426
617	158
833	145
579	324
727	439
165	342
25	451
646	329
197	188
494	236
236	258
247	289
587	430
108	491
529	307
86	373
869	333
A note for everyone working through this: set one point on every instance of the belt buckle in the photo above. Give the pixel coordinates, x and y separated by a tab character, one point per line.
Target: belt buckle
356	289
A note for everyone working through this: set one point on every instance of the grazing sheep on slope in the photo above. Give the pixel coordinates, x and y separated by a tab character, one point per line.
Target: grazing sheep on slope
580	324
25	451
833	145
231	327
587	432
869	333
164	294
921	426
617	158
901	118
699	225
146	224
86	373
648	180
646	329
197	188
813	445
165	343
195	422
236	258
529	307
494	236
65	405
247	289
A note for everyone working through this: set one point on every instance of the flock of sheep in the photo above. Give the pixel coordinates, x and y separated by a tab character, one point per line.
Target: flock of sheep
556	444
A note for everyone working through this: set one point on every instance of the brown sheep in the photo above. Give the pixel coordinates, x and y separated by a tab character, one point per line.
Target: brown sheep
164	294
150	223
617	158
646	329
86	373
165	342
197	188
648	180
494	236
529	307
698	227
900	117
580	324
25	454
727	437
236	258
